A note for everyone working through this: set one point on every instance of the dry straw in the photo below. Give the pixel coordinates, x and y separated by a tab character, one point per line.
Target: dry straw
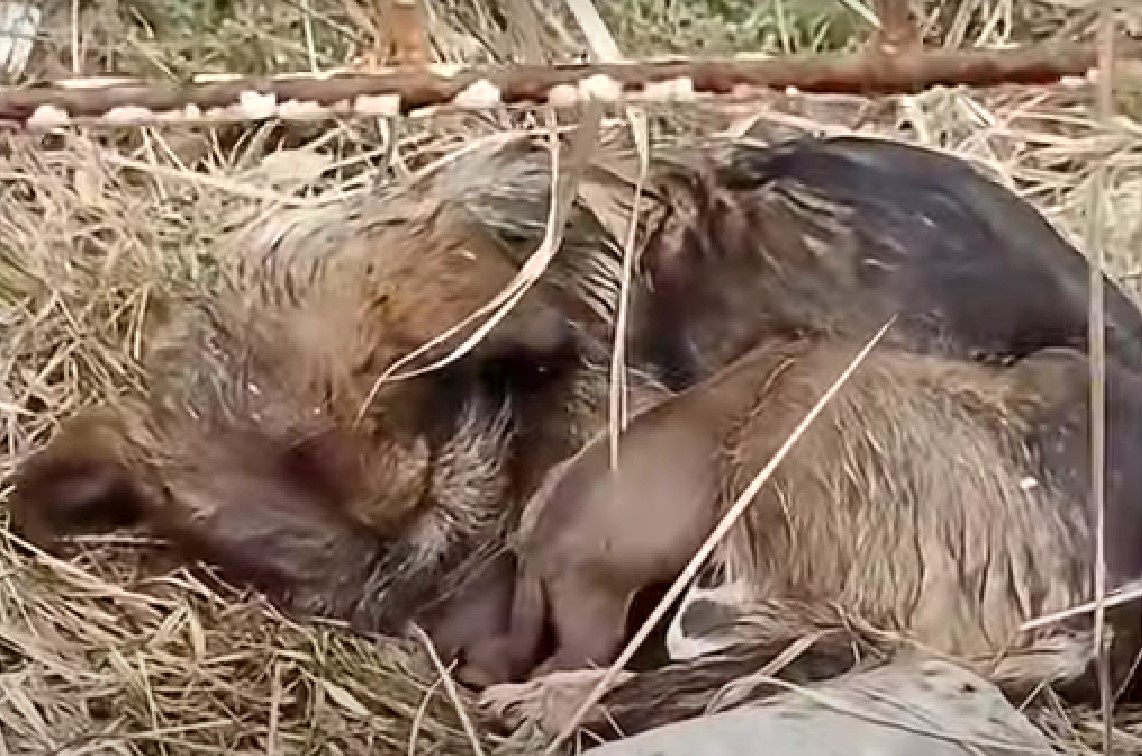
113	651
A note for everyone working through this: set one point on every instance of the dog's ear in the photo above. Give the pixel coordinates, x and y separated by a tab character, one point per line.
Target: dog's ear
80	482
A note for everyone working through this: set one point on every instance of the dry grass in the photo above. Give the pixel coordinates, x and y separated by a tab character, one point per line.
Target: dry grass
111	652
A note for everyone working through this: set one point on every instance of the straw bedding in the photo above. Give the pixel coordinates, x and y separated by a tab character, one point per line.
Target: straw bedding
117	651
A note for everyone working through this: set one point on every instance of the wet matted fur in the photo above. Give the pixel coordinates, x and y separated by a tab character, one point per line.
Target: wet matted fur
936	499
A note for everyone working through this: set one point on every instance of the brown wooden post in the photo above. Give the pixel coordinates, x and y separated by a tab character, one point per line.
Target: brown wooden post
898	32
397	32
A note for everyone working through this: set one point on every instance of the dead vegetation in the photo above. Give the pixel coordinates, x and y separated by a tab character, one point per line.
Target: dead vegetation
111	652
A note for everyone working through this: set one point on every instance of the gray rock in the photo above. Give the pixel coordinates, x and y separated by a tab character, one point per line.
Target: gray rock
916	708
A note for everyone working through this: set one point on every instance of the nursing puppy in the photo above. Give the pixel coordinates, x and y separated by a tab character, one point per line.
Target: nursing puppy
720	635
926	499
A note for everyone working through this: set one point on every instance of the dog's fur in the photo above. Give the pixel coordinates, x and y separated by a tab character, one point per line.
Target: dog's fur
260	450
833	236
936	498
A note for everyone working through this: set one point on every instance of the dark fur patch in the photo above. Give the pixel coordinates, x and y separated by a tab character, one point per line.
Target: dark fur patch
835	235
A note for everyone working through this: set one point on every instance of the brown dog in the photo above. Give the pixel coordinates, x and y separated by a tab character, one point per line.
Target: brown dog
263	448
917	500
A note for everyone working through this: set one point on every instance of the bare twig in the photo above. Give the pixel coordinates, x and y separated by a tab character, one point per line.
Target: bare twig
404	90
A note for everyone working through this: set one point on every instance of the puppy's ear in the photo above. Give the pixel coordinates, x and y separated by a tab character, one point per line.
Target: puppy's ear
79	482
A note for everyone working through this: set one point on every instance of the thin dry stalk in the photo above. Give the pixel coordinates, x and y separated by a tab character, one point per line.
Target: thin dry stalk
565	185
418	720
450	688
727	522
604	48
1097	326
1131	591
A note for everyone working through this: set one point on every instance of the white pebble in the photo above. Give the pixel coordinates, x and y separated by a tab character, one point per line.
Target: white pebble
479	94
300	110
445	70
128	114
49	115
383	105
601	87
681	88
256	105
563	95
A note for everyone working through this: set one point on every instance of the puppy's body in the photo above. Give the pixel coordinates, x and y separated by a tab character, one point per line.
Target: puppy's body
919	500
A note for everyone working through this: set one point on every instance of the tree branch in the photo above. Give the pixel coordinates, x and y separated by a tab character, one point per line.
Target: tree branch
405	90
